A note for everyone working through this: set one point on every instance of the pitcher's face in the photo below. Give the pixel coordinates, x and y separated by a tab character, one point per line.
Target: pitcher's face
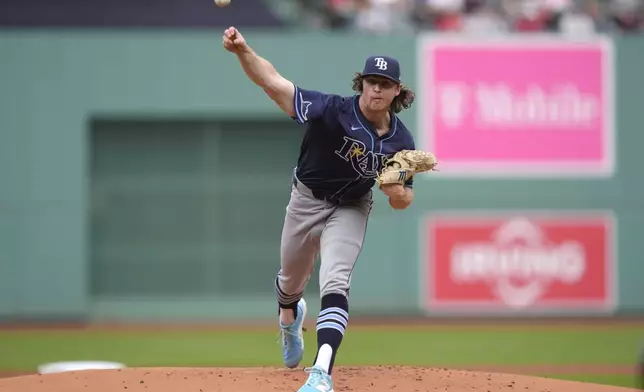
379	92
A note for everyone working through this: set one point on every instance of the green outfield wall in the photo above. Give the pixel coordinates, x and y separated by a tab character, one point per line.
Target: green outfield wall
144	177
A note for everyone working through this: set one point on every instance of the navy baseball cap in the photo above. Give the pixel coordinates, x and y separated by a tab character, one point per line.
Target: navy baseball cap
382	66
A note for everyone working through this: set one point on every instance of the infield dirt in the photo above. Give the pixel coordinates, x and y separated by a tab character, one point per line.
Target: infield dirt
373	379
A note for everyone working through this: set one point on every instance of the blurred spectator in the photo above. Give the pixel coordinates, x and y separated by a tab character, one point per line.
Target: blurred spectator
480	17
345	8
578	22
526	15
625	16
374	16
553	16
331	14
440	15
382	16
464	16
554	11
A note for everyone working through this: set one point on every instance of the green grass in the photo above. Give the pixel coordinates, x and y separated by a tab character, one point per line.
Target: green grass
489	347
25	350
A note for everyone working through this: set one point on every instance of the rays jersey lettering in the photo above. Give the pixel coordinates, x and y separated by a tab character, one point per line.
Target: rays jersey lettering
365	163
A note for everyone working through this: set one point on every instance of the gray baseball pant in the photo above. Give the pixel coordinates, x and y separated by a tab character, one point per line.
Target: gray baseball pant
315	227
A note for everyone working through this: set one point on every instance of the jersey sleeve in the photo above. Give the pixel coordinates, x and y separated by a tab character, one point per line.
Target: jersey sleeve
313	105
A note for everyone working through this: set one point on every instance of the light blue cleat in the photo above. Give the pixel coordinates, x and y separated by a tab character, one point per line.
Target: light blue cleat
318	381
293	338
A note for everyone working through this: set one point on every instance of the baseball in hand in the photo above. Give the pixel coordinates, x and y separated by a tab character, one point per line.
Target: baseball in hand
222	3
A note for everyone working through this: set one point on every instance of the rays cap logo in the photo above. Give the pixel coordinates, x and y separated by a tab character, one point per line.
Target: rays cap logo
385	66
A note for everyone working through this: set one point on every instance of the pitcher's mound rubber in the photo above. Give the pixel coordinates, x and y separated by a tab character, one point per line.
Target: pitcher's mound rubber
359	379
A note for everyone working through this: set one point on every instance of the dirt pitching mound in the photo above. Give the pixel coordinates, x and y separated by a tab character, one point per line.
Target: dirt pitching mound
363	379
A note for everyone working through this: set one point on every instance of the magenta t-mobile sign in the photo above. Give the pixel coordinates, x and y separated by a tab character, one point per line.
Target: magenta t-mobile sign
520	107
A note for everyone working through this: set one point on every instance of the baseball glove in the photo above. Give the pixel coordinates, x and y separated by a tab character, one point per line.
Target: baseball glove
404	165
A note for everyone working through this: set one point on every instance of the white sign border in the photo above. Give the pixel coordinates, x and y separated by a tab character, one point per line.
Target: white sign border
425	42
484	308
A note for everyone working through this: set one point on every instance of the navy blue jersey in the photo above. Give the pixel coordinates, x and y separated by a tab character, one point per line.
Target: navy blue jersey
341	154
